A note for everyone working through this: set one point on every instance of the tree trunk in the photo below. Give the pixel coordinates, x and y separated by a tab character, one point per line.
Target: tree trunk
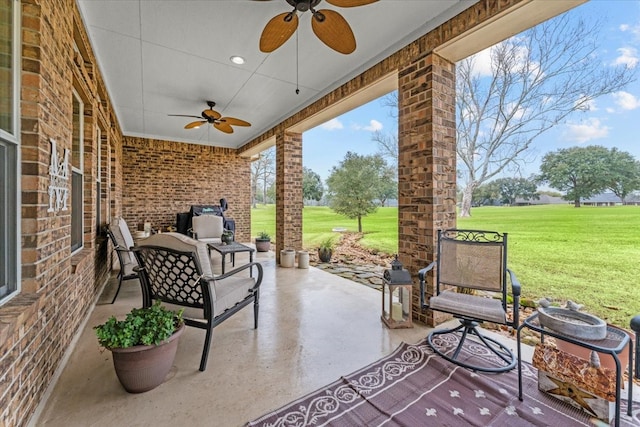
467	197
359	224
576	203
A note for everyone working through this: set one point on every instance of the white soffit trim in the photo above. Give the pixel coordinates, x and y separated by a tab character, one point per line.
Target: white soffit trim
513	21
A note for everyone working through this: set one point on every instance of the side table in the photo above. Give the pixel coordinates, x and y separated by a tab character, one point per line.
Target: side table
232	248
613	344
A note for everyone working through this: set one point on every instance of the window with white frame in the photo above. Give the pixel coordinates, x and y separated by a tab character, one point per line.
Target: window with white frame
9	153
77	199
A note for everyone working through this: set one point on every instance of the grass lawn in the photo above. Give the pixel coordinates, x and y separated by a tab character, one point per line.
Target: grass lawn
590	255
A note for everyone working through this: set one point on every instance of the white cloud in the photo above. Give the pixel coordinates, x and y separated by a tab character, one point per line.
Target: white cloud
482	63
626	101
633	29
586	131
333	124
628	57
373	126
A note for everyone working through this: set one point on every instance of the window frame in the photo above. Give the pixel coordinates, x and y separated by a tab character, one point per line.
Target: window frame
79	170
10	215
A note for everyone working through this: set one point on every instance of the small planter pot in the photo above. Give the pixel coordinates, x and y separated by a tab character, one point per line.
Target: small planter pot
303	259
263	245
144	367
325	255
287	258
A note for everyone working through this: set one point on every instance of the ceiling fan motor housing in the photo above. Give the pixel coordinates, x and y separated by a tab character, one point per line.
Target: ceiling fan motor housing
303	5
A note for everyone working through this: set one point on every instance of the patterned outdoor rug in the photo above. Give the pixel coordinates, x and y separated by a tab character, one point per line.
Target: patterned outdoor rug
414	387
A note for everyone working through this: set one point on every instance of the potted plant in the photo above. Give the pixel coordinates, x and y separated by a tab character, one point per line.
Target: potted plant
143	345
325	250
263	242
227	237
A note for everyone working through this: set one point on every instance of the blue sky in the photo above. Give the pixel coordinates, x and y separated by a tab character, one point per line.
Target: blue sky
612	121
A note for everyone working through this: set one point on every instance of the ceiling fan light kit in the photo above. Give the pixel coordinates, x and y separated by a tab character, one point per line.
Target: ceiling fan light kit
211	116
328	25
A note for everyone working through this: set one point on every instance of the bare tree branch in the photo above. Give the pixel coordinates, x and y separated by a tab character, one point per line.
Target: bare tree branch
536	81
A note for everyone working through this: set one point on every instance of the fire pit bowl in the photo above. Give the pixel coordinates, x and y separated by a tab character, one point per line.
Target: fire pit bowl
572	323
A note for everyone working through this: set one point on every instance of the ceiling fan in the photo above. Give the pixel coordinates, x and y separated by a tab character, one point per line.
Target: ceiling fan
328	25
212	116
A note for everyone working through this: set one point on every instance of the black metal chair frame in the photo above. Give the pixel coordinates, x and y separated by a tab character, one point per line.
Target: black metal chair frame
469	324
121	253
186	286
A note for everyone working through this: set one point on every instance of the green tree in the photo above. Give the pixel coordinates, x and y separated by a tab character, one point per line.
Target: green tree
512	188
312	188
580	172
625	173
355	184
388	186
486	194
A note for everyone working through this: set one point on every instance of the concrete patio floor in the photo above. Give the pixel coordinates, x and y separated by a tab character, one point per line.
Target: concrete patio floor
314	327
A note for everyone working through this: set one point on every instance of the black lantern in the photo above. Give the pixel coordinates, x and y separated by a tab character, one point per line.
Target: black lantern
396	296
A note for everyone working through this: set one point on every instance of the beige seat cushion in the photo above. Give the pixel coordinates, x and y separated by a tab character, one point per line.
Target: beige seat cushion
471	306
231	291
183	243
208	228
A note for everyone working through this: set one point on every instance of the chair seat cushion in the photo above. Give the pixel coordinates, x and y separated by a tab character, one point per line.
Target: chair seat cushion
470	306
230	291
210	240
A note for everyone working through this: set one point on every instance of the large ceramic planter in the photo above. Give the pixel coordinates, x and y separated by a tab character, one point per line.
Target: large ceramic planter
263	245
144	367
606	360
325	255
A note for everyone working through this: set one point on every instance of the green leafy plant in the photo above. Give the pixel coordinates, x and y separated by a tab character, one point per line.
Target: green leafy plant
142	326
327	244
263	235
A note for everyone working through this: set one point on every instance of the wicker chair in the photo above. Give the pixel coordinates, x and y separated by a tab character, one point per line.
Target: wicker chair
176	269
471	284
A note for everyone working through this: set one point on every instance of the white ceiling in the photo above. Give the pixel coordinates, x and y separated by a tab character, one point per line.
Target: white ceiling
161	57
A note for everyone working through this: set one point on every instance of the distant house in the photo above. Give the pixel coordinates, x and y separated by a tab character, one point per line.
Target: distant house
543	200
603	199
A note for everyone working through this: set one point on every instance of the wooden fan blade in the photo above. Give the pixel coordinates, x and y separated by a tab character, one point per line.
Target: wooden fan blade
224	127
334	31
211	114
234	122
194	125
350	3
277	31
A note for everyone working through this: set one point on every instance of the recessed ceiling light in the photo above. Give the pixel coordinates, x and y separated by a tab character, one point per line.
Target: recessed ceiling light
237	60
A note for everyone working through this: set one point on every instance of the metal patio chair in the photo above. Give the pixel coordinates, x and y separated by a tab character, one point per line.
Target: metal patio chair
176	270
122	240
471	284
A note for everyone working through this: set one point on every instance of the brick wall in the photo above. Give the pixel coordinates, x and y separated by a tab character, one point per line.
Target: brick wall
162	178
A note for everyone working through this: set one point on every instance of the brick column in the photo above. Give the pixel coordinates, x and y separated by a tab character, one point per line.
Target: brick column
426	165
288	191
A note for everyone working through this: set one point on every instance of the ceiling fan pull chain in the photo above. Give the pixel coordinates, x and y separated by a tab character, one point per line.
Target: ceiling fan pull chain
297	65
